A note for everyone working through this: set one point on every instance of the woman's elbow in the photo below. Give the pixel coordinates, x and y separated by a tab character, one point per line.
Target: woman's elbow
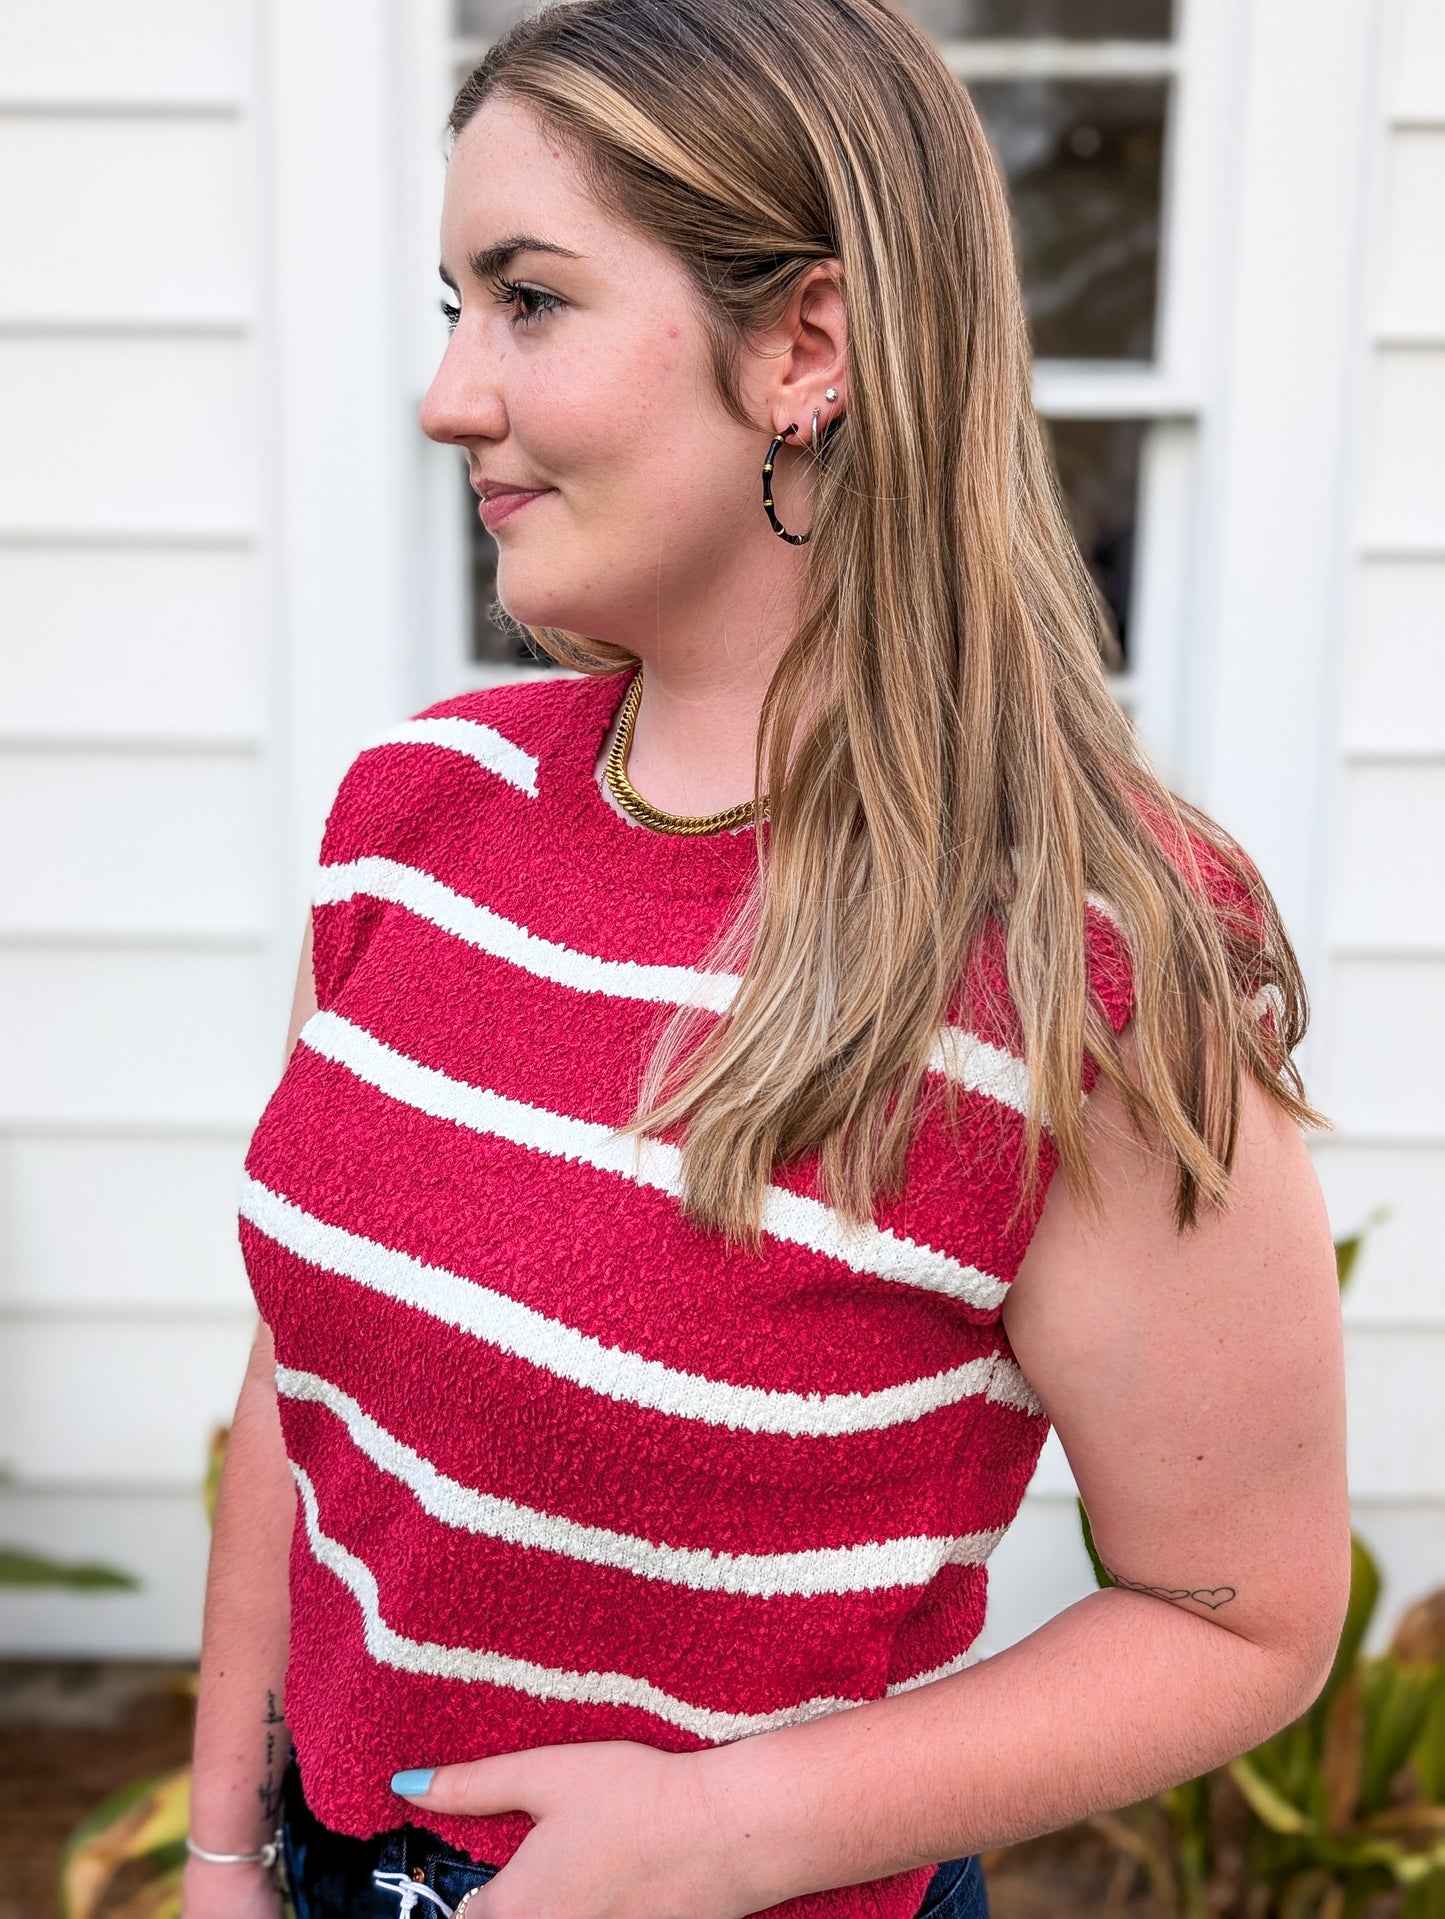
1307	1638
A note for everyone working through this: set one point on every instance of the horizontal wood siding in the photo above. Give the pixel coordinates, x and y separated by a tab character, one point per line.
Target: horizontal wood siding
153	1234
1382	1052
130	641
1367	901
137	914
148	54
218	573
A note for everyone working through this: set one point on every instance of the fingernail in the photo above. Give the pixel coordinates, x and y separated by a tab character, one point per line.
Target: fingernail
416	1781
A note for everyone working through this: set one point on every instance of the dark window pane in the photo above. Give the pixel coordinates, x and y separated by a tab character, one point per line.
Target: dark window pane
1054	19
1084	163
1098	467
490	643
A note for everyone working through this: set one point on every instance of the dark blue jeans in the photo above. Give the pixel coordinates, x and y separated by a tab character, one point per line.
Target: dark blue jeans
330	1875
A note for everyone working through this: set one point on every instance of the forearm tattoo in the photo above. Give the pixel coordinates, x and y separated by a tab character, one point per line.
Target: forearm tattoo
269	1792
1211	1596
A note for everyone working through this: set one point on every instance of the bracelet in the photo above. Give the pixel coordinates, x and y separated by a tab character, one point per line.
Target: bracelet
267	1856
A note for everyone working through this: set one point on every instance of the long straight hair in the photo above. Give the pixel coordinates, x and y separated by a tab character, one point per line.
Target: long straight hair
938	744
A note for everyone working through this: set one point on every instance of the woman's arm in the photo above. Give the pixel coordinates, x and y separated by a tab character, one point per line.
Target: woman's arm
241	1742
1197	1384
1196	1381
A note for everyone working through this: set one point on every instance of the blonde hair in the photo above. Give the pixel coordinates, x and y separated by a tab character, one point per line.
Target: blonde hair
939	744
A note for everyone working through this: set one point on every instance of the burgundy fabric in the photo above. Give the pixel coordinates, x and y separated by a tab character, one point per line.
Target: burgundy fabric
373	1682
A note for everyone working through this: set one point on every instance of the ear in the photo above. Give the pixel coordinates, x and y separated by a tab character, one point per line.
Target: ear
813	335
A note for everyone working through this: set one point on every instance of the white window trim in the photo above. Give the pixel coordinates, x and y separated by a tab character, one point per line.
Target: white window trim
1046	59
1242	121
1165	391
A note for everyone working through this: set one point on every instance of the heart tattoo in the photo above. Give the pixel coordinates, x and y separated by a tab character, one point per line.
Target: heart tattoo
1211	1596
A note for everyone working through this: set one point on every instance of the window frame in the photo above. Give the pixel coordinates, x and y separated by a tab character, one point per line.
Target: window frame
1169	392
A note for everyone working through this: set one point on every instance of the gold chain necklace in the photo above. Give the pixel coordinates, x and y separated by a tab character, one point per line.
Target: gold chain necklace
632	801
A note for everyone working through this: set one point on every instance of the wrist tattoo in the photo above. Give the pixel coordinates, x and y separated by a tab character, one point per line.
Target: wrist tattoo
268	1794
1211	1596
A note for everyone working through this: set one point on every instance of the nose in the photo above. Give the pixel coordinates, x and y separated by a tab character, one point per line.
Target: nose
463	402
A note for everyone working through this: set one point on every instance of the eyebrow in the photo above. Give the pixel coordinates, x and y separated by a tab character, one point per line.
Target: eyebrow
488	262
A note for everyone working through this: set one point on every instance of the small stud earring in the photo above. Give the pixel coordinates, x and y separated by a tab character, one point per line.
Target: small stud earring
831	394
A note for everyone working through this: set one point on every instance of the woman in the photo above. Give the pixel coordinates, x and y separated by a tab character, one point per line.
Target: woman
665	1287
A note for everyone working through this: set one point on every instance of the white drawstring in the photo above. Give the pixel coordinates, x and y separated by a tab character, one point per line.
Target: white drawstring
409	1890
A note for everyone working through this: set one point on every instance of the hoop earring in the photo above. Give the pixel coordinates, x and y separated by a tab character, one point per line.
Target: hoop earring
794	539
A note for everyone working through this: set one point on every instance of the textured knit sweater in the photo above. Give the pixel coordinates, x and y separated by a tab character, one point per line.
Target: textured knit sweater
569	1467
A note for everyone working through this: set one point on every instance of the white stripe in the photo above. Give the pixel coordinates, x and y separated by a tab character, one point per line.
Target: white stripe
978	1065
981	1067
391	1648
478	926
650	1162
803	1574
945	1671
1268	1001
611	1371
484	744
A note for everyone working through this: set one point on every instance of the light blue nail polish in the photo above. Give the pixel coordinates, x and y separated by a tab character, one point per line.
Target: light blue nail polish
418	1780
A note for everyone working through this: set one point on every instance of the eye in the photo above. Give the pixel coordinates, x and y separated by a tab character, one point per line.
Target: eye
451	315
509	292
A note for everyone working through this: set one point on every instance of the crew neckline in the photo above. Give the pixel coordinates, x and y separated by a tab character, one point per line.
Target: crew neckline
688	862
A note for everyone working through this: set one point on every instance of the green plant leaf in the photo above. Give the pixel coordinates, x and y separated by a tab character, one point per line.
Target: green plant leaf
1419	1635
1403	1863
1101	1574
1304	1895
1364	1597
1429	1754
109	1809
1421	1867
21	1568
158	1898
1267	1804
215	1461
1425	1901
1342	1757
1278	1765
1347	1251
1122	1830
1399	1701
146	1819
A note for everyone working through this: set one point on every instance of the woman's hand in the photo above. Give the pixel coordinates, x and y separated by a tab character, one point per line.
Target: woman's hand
622	1831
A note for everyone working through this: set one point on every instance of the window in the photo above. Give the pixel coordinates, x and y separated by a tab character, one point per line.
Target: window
1083	127
1089	106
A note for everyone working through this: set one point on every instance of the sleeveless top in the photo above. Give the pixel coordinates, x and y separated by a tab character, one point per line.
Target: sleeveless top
570	1468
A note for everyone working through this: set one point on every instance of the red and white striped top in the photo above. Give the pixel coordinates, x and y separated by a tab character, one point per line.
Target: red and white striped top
570	1468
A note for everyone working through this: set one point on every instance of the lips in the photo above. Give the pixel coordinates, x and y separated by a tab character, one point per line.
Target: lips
500	502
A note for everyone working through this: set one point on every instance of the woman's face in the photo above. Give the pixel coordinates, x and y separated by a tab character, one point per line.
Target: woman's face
590	381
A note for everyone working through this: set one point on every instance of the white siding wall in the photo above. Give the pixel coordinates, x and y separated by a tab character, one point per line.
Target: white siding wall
1311	699
1382	988
226	556
217	239
136	875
